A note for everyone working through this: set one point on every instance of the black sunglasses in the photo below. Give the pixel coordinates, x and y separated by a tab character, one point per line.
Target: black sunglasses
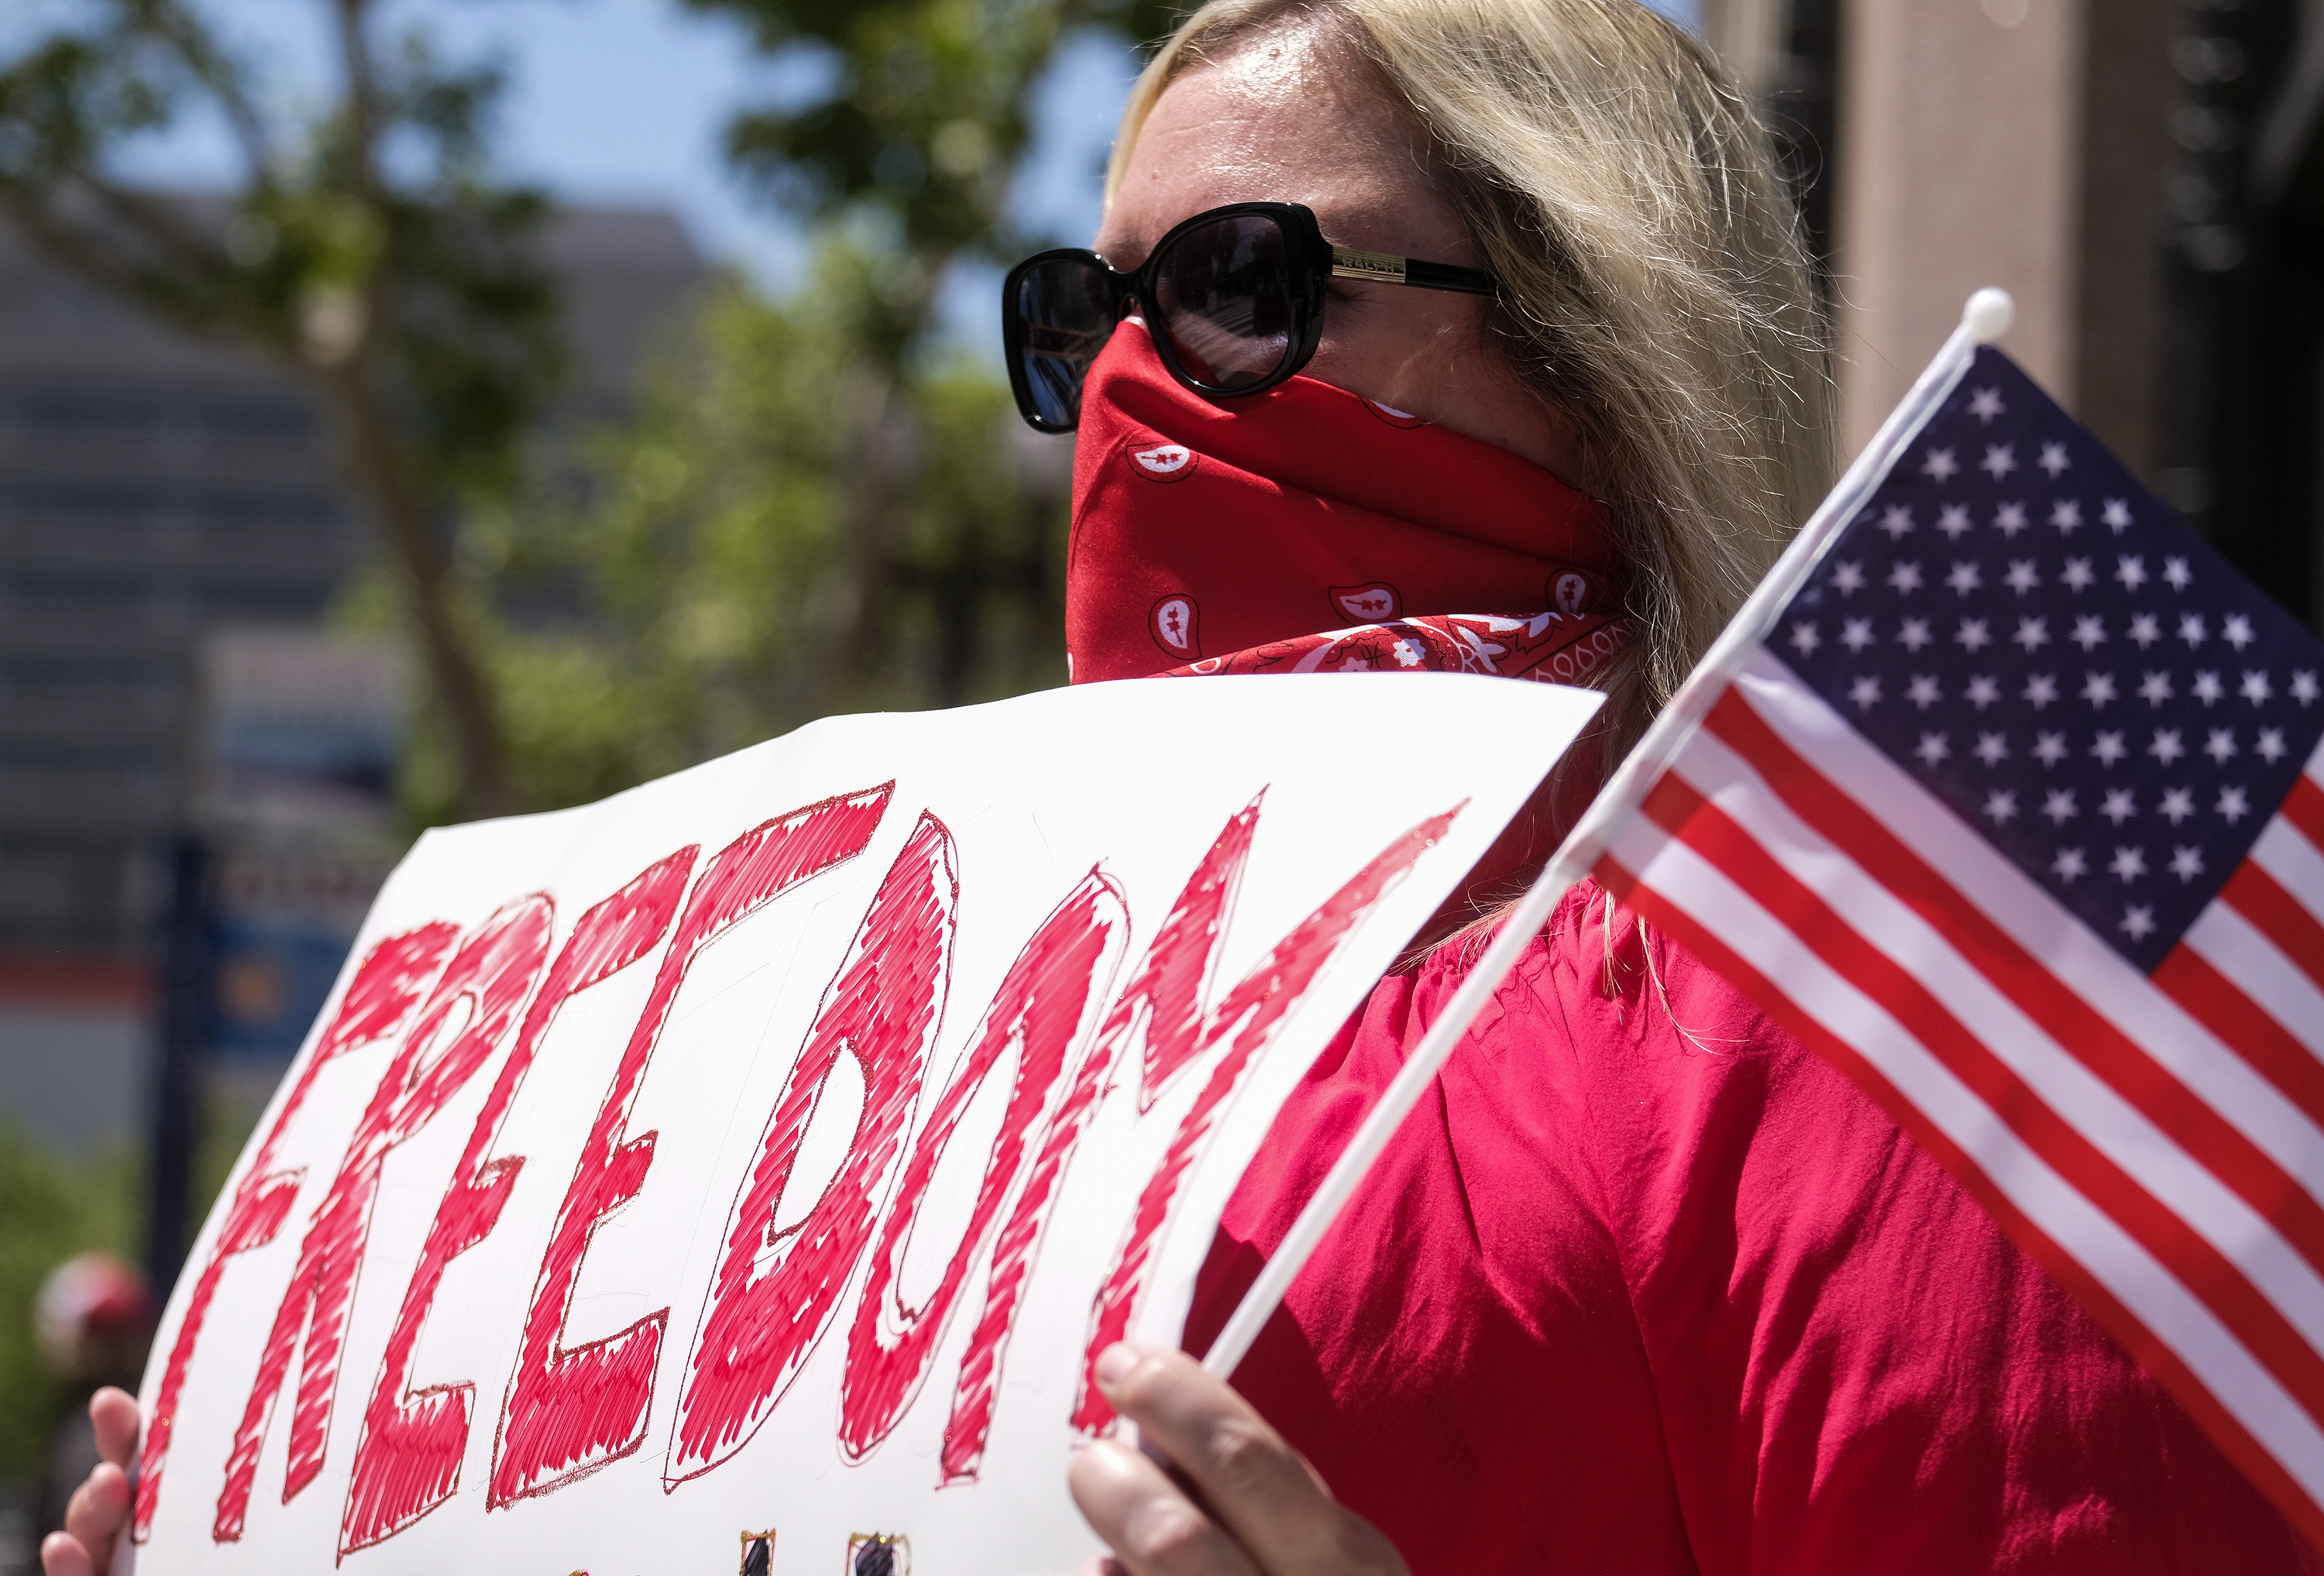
1233	297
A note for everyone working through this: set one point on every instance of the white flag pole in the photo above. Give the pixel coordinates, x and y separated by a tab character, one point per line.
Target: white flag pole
1984	319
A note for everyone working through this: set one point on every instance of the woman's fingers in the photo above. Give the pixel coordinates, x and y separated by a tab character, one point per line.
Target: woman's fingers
1253	1483
97	1512
62	1555
114	1410
1152	1527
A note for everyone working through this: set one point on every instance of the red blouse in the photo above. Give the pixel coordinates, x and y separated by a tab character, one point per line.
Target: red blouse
1647	1288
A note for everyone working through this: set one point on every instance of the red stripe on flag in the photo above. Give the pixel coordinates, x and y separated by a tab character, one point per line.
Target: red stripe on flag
2198	1263
2282	917
2216	1144
2255	1461
2303	806
2214	1001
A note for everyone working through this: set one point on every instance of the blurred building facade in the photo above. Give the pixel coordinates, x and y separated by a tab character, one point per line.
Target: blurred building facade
157	491
2146	177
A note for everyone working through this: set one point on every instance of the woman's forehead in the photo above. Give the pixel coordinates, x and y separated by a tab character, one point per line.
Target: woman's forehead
1288	117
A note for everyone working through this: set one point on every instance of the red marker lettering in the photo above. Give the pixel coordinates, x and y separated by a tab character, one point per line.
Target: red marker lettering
1039	1008
1251	1012
572	1410
407	1456
381	997
764	1313
491	975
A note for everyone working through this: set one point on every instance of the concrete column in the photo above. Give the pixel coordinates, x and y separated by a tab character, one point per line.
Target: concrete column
2128	92
1961	151
1748	36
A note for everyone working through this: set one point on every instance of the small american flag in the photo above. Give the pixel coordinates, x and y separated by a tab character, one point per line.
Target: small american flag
2014	810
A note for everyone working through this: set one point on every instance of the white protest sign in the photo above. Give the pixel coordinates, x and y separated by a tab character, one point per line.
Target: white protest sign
740	1173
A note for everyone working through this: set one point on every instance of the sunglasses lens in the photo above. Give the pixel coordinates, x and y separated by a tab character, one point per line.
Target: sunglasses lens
1223	296
1065	306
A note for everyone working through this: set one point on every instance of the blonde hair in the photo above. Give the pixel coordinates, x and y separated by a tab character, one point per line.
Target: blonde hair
1654	284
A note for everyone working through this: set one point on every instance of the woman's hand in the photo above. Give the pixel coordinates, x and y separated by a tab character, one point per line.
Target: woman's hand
1241	1502
99	1508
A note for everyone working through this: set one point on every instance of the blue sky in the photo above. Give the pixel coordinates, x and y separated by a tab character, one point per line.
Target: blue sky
623	100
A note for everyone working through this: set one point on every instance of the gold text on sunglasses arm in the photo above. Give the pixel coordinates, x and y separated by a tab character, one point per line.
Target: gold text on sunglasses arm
1347	262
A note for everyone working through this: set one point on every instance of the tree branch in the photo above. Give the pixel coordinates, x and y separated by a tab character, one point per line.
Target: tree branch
211	67
373	450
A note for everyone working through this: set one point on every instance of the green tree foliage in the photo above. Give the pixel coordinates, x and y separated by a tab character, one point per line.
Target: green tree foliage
820	508
365	247
735	592
50	1210
922	118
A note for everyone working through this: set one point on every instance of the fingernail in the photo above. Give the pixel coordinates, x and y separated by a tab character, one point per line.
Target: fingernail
1115	1361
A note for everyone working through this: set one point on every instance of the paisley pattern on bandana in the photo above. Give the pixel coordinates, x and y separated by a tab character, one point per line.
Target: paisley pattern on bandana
1552	647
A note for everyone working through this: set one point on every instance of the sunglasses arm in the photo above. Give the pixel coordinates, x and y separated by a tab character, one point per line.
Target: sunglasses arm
1386	267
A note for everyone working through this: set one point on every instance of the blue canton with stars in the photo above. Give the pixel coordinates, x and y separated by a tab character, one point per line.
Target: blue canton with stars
2042	644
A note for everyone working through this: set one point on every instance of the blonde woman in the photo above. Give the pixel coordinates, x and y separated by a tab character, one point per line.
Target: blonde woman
1412	324
1475	333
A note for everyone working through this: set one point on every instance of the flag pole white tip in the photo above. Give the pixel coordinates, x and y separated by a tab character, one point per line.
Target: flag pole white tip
1989	313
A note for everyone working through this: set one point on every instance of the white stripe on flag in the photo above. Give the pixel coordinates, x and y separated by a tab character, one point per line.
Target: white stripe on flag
2250	961
2148	1291
2293	860
2068	1086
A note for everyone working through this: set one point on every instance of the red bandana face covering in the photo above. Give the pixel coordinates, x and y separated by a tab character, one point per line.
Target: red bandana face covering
1307	530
